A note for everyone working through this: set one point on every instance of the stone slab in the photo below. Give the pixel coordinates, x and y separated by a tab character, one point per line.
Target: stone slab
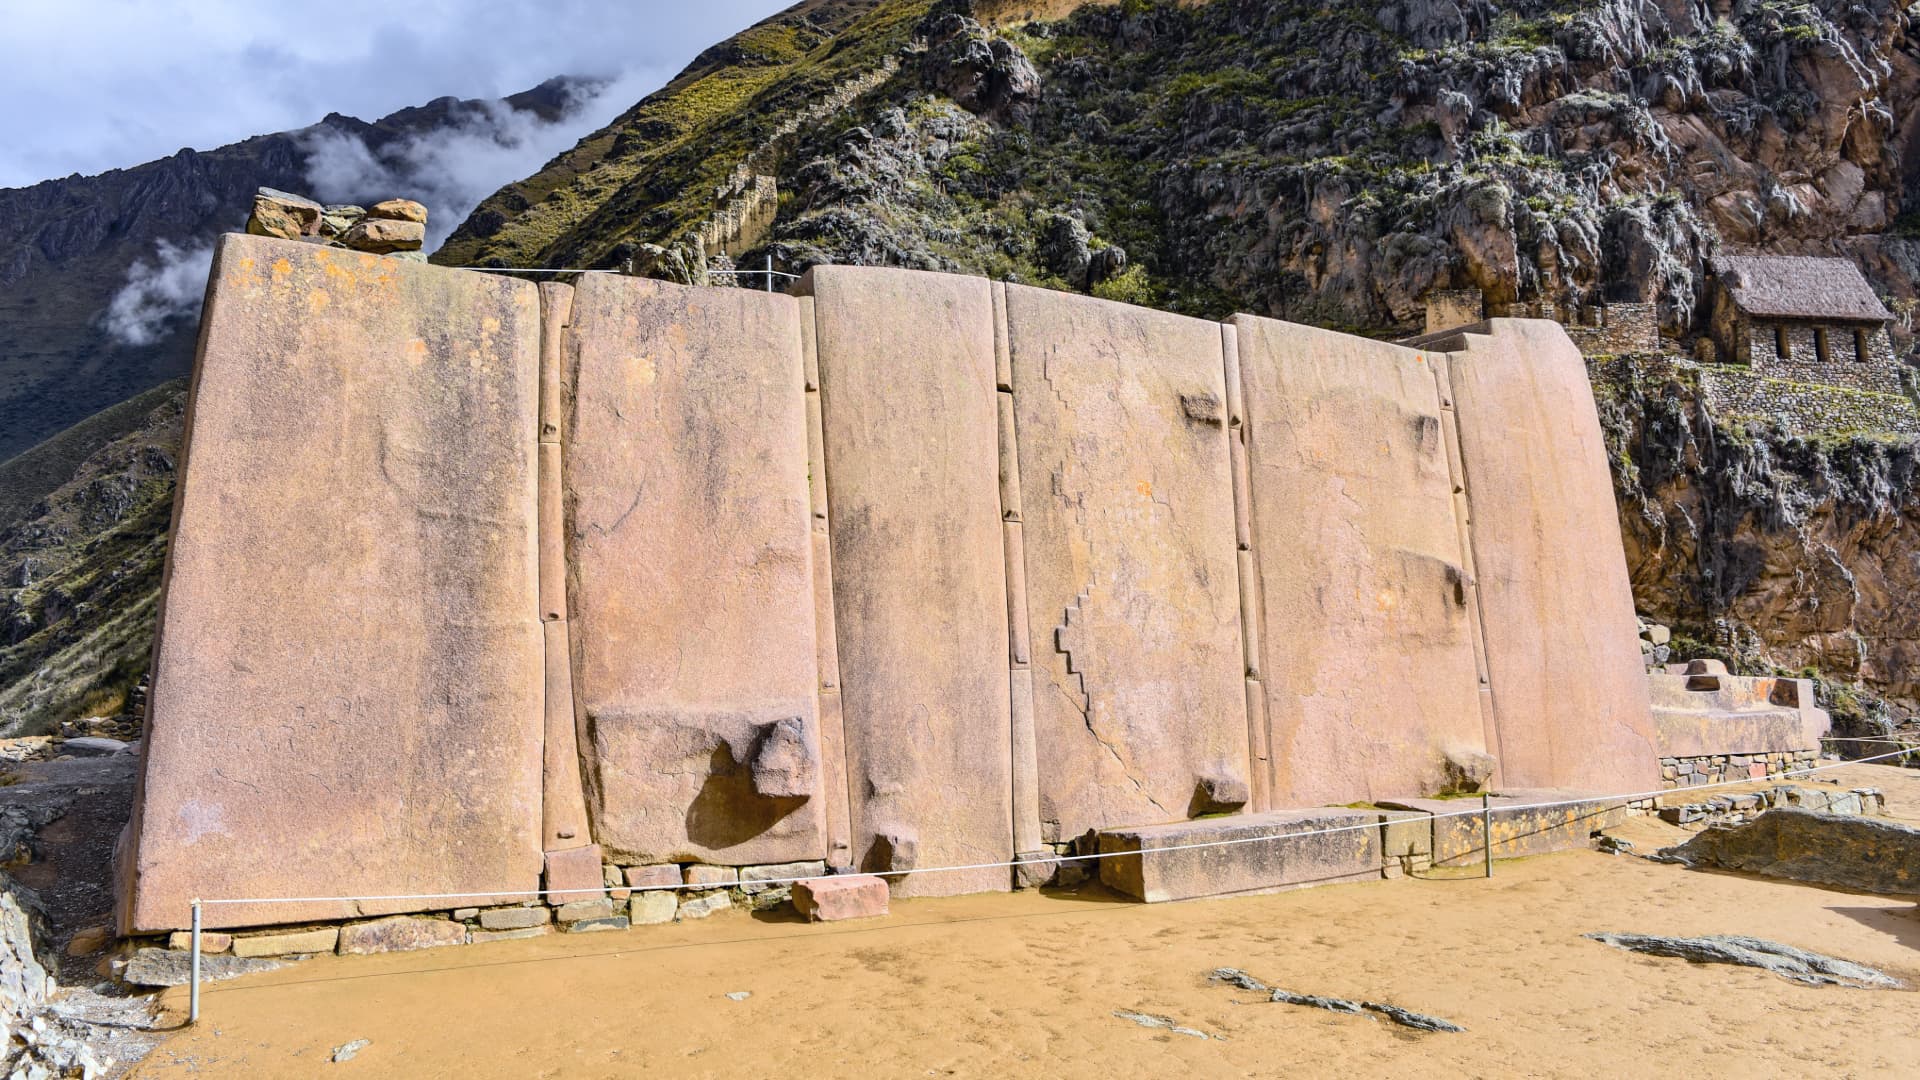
710	875
1261	854
701	905
1367	648
1139	706
574	874
595	925
649	908
667	874
755	879
320	940
1519	827
844	896
210	941
515	918
686	482
171	967
912	450
349	646
1570	701
400	933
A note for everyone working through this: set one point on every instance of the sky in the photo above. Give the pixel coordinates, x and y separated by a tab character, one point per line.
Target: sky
92	85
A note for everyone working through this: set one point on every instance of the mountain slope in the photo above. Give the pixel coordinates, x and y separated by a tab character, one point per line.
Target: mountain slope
1325	162
67	247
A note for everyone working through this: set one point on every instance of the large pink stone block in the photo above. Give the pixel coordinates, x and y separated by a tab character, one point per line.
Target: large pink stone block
691	576
1570	695
1367	649
347	679
848	896
912	451
1139	698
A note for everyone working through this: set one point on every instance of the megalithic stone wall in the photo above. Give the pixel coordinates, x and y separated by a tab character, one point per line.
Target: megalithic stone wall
908	571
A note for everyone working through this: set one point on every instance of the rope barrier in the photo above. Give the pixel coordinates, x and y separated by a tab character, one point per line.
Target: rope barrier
1043	860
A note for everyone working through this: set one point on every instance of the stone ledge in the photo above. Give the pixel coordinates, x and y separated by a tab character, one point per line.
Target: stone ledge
1267	857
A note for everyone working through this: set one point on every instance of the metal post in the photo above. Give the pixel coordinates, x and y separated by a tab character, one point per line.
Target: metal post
193	980
1486	827
769	271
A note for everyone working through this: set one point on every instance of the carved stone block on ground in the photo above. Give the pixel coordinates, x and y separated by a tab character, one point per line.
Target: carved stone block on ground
845	896
1250	853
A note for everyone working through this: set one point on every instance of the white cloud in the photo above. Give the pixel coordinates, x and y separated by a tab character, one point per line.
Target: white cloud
98	84
159	296
452	169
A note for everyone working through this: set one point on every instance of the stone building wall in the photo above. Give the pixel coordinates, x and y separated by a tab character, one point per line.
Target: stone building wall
1596	329
1856	356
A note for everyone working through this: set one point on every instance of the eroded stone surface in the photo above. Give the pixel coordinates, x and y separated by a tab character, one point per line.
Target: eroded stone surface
347	687
912	450
691	591
1127	505
1367	649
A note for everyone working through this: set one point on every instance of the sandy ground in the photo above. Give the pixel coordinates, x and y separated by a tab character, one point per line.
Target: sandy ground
1027	985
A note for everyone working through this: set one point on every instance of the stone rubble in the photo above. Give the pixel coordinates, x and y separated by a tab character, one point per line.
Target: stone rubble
396	227
1786	961
1154	1020
1403	1017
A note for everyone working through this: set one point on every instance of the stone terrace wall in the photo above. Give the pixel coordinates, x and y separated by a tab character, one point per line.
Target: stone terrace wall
908	571
1807	408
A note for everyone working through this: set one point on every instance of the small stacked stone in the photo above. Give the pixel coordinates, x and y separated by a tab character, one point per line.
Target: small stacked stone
1655	645
584	895
1678	772
396	227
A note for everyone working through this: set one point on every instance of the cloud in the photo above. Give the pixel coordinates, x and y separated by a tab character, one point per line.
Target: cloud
159	296
98	84
451	169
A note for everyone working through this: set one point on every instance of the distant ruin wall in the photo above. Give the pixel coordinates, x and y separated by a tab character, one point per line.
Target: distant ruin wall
1736	392
909	571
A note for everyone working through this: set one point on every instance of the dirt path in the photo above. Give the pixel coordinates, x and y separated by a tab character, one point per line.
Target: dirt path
1026	985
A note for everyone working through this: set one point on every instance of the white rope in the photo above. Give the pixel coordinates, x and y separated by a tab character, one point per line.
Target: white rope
1041	861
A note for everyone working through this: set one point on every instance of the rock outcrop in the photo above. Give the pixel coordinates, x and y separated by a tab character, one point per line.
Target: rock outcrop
1843	850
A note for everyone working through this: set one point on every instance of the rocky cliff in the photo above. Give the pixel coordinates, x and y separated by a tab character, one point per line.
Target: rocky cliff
69	246
1772	550
1323	162
1331	163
